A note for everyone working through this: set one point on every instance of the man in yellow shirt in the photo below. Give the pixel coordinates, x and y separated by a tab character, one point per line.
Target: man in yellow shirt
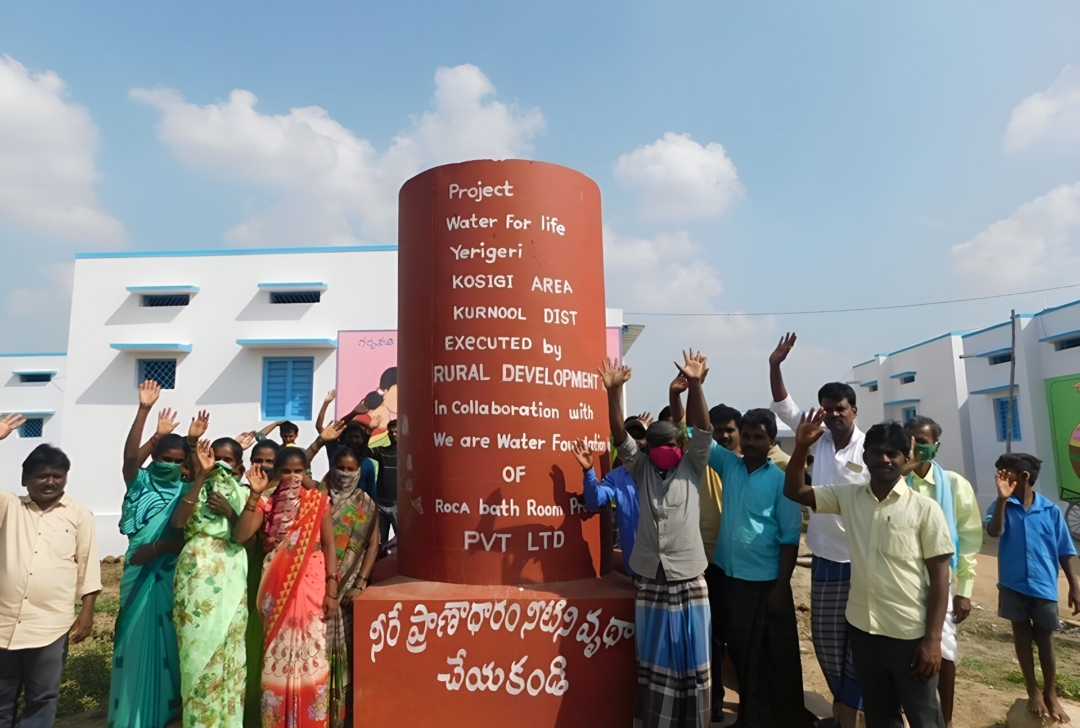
894	615
957	500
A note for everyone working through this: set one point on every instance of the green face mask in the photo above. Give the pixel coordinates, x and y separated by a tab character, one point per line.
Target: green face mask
165	471
926	453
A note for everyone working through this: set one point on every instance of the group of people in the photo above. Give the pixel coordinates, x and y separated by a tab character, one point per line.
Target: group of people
236	573
709	514
234	581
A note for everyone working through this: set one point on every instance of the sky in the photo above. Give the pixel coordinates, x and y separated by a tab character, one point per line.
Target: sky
772	157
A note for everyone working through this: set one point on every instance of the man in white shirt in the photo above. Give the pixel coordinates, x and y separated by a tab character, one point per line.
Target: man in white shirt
838	459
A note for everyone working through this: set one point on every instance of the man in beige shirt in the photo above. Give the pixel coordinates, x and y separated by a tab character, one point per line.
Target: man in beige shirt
48	561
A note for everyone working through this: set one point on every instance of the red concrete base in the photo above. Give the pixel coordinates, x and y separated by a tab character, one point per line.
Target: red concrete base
446	655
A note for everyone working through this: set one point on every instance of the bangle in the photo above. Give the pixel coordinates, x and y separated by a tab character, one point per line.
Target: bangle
190	503
336	578
155	547
319	441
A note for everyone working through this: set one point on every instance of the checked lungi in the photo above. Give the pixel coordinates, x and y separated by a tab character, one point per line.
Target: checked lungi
831	582
673	632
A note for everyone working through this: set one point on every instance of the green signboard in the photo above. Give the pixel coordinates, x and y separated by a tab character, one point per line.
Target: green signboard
1063	401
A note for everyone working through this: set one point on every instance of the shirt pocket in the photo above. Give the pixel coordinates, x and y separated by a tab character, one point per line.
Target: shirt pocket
900	541
61	543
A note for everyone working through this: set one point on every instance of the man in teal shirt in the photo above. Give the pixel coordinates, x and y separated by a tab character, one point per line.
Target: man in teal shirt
756	551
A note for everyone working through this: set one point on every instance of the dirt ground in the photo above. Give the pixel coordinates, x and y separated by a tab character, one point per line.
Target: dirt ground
988	680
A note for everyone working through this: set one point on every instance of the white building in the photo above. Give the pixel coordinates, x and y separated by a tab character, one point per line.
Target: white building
1047	400
33	385
962	381
926	379
249	335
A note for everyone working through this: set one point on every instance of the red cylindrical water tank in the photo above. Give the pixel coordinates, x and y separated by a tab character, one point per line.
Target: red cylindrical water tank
501	326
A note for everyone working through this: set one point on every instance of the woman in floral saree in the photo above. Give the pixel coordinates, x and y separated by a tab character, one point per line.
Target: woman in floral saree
356	541
297	594
145	691
211	588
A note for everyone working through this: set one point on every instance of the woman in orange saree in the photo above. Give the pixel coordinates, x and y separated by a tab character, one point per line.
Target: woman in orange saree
297	594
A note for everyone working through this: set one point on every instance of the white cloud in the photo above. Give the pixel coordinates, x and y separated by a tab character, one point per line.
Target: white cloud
676	178
335	187
47	149
1051	116
1039	243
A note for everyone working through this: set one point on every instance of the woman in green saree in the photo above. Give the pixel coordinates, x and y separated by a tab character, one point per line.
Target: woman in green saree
211	587
145	690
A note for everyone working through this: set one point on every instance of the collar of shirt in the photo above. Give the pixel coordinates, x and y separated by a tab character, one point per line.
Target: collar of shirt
63	502
899	492
1038	503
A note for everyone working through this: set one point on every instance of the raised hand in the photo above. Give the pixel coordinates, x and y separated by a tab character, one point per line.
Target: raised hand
810	427
914	460
204	458
166	422
333	431
257	480
10	423
330	396
1006	484
646	419
780	353
693	367
582	453
220	505
613	375
246	439
199	425
679	384
149	391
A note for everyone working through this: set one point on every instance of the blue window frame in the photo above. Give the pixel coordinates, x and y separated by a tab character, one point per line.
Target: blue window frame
1001	413
162	371
287	385
33	427
908	414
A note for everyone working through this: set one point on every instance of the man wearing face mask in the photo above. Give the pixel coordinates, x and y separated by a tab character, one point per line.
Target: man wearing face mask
671	611
957	500
838	458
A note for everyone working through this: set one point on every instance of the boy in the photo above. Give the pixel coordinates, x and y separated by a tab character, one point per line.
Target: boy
48	561
1034	540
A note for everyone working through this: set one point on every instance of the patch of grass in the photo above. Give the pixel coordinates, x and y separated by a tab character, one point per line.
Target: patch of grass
1008	675
85	683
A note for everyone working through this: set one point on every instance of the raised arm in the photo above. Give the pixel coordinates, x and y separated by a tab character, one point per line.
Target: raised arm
330	434
203	458
776	377
614	376
693	371
806	434
597	494
10	423
321	419
251	519
149	391
1006	486
675	390
265	432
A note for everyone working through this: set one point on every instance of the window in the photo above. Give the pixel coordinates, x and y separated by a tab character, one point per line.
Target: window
1001	412
1001	358
872	387
1067	344
35	377
907	379
179	299
296	297
162	371
908	414
287	384
33	427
